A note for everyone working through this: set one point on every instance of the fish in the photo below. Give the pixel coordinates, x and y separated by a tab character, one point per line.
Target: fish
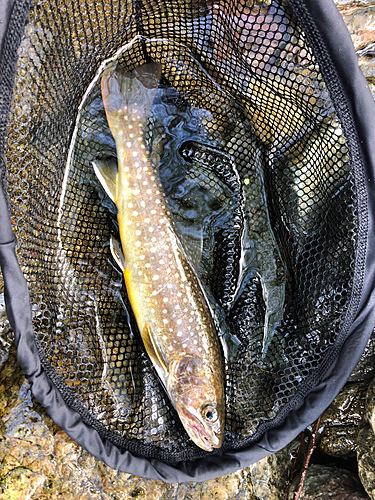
170	307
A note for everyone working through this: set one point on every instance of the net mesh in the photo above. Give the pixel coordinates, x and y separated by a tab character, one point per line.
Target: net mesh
252	156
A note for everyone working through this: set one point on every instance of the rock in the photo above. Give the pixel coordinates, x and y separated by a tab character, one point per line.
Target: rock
324	482
341	419
366	444
360	22
269	475
365	368
365	456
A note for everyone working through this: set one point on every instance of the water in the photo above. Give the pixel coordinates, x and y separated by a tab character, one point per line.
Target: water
211	170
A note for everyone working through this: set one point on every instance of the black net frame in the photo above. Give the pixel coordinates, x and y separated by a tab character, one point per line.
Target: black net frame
337	245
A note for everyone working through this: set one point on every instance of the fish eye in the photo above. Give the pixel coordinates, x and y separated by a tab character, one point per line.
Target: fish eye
209	413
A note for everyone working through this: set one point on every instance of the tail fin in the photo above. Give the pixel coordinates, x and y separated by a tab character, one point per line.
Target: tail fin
129	93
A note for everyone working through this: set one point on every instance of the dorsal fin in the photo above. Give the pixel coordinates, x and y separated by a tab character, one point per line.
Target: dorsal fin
106	171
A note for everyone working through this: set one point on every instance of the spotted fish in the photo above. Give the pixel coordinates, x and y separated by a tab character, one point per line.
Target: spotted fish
169	305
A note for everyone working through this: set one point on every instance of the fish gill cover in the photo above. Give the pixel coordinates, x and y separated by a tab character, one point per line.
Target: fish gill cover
255	169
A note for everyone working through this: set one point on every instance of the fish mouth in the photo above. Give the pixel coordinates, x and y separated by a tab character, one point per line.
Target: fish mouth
201	437
206	441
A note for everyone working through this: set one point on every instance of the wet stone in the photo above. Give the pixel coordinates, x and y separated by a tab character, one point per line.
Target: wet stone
365	368
366	444
366	461
324	482
341	419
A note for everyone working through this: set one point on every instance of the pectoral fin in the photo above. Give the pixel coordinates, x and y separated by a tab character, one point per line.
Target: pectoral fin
152	349
106	172
117	253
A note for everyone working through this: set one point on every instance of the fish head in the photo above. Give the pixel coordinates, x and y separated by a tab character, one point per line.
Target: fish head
198	396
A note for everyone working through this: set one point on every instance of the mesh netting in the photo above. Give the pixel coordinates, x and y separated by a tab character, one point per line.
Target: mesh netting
251	157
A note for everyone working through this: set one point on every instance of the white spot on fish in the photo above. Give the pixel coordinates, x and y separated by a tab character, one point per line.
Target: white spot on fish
161	261
165	299
129	144
164	337
135	153
140	273
179	321
138	232
153	212
155	277
165	321
130	205
143	204
135	192
176	275
147	265
153	239
138	243
135	213
170	347
152	249
142	257
165	311
179	334
129	222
